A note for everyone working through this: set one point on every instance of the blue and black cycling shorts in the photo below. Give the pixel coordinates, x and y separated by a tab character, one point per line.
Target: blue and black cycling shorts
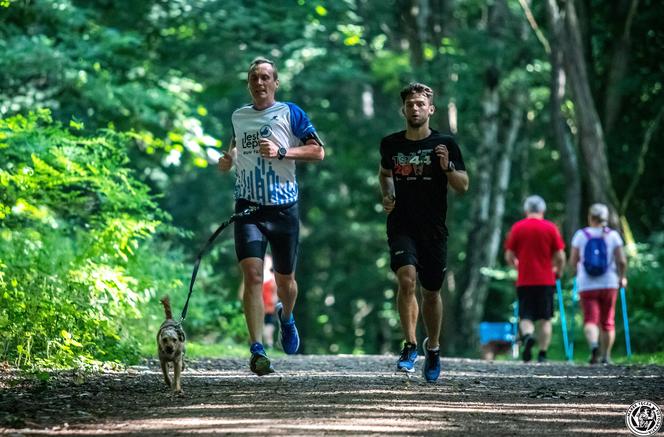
278	225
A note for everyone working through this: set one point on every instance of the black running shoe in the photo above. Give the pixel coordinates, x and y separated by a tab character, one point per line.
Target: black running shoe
528	342
594	356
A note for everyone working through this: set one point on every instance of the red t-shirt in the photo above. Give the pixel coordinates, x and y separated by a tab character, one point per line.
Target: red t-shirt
534	241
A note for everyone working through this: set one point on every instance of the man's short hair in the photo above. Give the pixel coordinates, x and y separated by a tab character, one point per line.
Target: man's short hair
534	204
416	88
261	60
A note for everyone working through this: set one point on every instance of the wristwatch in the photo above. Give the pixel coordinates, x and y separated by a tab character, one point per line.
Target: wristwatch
281	153
450	167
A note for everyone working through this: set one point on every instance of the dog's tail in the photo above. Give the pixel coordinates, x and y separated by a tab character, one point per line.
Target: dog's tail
166	302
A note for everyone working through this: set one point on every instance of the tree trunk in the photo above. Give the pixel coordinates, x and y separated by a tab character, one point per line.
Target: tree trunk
591	135
423	23
502	180
619	62
477	247
485	238
562	139
408	14
438	25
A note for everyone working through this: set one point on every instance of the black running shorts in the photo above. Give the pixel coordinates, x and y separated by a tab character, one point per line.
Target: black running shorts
428	256
278	225
535	302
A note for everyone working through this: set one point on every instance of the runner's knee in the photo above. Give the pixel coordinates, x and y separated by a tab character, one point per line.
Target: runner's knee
253	274
407	283
285	282
430	296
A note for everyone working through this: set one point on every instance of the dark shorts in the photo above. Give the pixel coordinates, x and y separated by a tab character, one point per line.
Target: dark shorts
428	256
535	302
269	319
278	225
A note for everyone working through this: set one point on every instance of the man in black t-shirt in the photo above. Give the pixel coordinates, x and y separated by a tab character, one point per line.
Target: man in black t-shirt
415	168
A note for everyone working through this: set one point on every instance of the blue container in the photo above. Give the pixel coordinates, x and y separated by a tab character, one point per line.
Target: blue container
502	331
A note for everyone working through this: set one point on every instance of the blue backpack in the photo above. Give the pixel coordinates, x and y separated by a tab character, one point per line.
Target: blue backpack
595	254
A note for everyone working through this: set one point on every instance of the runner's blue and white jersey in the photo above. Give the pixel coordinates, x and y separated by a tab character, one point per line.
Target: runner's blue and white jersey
268	181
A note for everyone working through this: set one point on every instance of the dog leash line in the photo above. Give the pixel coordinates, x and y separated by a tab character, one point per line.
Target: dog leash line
244	213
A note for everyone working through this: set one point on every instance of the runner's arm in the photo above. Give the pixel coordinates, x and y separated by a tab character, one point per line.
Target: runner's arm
458	180
573	260
311	150
511	259
559	262
226	160
386	188
621	265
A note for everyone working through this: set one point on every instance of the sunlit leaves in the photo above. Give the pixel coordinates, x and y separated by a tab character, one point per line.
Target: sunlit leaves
73	223
390	68
352	34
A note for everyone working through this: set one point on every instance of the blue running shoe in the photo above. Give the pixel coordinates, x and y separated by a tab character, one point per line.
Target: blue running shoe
259	363
431	368
290	339
408	357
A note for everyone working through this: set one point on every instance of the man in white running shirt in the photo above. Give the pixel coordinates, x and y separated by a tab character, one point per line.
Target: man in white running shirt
268	137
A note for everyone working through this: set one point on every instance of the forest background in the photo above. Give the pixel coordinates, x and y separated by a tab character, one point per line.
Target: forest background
113	114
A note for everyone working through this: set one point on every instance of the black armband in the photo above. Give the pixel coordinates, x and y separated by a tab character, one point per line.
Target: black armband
314	136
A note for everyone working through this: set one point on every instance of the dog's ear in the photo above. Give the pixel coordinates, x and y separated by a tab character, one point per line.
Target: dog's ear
181	336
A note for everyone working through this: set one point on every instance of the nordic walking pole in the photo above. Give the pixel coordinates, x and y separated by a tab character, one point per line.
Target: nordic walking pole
628	343
575	299
515	330
563	321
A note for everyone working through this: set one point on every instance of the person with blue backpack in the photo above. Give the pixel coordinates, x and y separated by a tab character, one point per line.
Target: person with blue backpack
599	264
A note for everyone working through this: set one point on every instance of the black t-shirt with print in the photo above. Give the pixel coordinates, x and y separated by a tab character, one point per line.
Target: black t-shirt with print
420	184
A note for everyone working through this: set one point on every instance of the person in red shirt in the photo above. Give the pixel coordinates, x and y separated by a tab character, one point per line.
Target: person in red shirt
536	249
269	302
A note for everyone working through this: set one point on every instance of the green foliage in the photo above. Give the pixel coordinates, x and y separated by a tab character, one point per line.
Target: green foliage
76	236
644	297
85	251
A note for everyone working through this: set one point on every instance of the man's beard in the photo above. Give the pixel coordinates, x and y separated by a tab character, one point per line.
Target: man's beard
416	124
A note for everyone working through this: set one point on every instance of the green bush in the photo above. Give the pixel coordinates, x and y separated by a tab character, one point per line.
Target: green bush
81	255
644	298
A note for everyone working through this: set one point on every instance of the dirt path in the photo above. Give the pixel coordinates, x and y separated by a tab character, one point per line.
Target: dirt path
333	395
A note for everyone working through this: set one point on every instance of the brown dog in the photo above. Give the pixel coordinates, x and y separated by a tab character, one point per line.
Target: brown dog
170	343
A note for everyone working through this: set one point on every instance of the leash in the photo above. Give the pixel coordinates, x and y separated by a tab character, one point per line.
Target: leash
244	213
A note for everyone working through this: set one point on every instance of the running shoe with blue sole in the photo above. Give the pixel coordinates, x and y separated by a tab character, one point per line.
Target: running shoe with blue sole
431	368
260	363
290	339
408	358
